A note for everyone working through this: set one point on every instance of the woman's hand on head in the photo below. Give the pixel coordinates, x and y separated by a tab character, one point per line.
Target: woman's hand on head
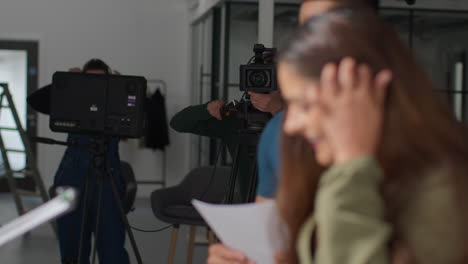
220	254
352	103
280	258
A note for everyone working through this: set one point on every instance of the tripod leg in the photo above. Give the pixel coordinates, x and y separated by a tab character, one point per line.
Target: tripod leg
233	177
252	190
83	214
98	217
124	218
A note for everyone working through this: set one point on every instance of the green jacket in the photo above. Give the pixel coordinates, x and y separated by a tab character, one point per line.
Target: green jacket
350	223
197	120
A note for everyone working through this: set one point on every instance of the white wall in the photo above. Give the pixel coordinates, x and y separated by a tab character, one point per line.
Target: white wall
139	37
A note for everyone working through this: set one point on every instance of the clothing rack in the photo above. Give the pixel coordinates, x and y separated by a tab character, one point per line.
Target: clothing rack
153	86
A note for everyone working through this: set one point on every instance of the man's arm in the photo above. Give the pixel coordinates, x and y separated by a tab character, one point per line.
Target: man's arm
200	121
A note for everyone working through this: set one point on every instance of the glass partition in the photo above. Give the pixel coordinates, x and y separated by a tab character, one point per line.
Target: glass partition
223	40
439	42
286	19
242	34
201	83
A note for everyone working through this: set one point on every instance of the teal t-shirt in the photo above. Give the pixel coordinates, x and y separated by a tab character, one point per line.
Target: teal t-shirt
269	157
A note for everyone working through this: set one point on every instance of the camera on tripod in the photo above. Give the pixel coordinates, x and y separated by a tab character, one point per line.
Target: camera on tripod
258	76
99	109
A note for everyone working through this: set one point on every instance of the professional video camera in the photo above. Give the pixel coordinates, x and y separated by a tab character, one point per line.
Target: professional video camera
97	104
258	76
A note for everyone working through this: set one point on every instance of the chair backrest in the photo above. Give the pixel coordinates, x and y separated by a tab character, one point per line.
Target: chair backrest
206	183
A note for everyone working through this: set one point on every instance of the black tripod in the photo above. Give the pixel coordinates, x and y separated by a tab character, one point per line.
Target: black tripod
248	138
99	148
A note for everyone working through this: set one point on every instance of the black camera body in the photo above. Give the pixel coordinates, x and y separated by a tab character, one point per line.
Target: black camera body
260	75
255	120
98	104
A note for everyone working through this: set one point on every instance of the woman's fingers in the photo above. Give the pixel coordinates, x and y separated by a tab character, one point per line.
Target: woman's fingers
280	258
364	80
347	75
219	254
353	102
381	83
328	84
220	260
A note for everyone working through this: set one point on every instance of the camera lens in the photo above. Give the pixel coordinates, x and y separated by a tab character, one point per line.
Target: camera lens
258	78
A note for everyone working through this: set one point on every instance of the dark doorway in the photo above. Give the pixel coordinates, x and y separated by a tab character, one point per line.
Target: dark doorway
18	68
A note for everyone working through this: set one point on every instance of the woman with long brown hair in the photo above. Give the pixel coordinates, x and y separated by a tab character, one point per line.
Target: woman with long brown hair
373	162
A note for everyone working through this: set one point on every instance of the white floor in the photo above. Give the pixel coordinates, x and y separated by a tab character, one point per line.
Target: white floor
40	246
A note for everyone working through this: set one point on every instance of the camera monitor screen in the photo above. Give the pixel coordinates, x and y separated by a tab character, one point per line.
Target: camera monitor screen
98	104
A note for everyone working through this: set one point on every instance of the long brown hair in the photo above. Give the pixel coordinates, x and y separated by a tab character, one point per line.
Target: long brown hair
420	131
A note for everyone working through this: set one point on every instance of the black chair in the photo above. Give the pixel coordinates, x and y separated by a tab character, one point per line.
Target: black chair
173	205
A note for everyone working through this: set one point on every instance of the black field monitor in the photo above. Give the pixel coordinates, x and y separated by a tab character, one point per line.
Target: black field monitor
98	104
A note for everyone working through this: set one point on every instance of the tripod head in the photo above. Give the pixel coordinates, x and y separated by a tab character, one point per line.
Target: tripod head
254	119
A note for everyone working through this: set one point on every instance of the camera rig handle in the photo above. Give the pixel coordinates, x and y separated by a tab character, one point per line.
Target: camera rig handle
262	53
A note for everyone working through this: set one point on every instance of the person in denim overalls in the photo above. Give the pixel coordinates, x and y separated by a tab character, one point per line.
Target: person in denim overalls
74	168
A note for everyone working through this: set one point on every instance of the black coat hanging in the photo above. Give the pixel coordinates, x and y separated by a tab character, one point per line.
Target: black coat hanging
157	132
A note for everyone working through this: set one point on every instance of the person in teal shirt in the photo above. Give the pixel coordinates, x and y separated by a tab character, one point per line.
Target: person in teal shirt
269	158
102	221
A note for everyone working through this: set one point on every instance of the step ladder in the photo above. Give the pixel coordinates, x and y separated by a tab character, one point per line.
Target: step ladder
6	102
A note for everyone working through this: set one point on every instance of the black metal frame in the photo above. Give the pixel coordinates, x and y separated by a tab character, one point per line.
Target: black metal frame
215	71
